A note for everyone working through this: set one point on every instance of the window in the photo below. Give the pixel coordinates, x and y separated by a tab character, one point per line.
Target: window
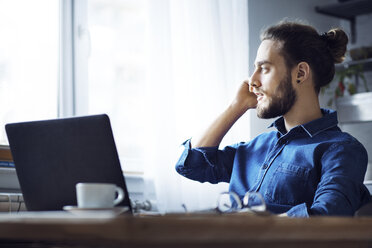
29	54
111	51
162	70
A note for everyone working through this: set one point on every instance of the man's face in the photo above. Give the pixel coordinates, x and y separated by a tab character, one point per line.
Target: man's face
272	82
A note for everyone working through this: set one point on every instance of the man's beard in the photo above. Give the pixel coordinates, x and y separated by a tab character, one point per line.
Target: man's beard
281	101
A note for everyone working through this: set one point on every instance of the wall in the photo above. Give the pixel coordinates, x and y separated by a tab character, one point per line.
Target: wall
263	13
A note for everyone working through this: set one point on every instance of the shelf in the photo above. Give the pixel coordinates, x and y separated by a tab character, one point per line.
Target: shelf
347	10
367	64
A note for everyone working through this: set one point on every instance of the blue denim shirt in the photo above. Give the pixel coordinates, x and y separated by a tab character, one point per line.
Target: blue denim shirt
314	169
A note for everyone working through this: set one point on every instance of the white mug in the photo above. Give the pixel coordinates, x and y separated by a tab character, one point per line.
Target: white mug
98	195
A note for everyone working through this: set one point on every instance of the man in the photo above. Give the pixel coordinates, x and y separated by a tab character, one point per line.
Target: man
308	166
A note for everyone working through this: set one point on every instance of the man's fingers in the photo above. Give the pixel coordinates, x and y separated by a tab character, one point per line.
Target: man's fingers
250	86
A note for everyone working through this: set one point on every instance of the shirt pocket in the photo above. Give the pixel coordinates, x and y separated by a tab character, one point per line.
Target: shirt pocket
288	185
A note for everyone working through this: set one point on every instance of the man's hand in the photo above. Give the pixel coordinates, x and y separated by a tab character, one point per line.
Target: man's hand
244	99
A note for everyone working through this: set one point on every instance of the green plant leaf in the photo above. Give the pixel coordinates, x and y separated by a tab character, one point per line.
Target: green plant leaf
351	89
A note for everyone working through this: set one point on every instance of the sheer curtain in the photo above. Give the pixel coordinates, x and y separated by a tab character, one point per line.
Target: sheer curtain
198	56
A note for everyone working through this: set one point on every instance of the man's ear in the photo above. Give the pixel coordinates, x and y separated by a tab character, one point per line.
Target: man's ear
302	72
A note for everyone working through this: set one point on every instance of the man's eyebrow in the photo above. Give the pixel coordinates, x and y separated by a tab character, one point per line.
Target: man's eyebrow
259	63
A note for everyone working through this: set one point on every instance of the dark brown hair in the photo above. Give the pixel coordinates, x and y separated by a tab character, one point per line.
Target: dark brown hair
302	43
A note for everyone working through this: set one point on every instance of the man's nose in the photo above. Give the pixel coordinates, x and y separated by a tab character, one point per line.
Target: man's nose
254	82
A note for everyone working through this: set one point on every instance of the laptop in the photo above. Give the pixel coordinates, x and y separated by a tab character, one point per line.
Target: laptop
52	156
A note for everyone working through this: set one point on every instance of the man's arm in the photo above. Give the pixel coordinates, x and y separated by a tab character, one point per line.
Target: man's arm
340	190
204	162
243	101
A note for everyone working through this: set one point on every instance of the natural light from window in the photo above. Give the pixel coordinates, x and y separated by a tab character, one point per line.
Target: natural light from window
116	72
29	46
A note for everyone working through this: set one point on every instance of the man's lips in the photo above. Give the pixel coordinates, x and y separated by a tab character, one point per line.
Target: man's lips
259	96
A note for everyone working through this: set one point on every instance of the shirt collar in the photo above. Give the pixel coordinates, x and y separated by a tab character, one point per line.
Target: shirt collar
314	127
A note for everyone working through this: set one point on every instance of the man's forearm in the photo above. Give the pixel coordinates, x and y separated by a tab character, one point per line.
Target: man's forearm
243	101
215	133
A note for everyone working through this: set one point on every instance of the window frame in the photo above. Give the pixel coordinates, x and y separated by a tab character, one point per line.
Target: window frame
73	78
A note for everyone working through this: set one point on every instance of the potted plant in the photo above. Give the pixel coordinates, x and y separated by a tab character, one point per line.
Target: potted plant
347	84
351	99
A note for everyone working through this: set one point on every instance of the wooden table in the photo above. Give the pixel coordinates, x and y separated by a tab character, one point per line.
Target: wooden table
61	229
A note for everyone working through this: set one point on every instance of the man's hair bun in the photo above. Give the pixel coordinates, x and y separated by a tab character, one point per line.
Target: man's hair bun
336	40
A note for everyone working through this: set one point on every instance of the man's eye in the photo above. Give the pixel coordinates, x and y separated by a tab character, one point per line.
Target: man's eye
264	69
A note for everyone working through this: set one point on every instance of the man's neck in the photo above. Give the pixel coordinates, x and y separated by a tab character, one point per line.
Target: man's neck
302	113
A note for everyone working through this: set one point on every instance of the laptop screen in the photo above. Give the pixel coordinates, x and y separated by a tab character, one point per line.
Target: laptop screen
52	156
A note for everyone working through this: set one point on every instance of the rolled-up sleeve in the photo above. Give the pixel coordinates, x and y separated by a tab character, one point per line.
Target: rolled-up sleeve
206	164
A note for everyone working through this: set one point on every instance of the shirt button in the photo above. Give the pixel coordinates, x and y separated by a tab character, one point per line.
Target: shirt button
264	167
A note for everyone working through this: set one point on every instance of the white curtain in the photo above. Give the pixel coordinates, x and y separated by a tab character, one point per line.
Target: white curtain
198	56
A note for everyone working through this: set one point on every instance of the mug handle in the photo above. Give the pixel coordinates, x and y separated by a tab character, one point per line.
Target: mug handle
120	195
